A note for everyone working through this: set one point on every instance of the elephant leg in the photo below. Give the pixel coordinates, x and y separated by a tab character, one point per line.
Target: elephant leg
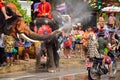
38	57
51	63
56	57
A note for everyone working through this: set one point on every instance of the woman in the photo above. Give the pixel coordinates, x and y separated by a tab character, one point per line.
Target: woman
92	46
79	39
67	46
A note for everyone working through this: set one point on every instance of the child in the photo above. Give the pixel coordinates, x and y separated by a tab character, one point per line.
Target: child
8	47
26	54
67	47
26	51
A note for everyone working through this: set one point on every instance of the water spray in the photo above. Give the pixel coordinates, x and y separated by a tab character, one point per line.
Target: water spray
80	13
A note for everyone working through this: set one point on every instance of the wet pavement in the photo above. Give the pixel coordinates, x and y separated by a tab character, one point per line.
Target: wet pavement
62	75
69	70
73	74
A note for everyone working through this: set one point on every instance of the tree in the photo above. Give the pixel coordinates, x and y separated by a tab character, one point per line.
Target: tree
22	11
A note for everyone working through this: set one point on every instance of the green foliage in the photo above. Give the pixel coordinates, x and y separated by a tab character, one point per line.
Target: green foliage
95	5
22	11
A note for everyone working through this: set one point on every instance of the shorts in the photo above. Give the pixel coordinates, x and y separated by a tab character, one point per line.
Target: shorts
8	54
107	59
78	41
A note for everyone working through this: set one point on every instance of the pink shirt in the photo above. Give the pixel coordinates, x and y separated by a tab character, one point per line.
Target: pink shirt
79	32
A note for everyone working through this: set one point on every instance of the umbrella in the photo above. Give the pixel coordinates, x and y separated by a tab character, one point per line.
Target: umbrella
111	9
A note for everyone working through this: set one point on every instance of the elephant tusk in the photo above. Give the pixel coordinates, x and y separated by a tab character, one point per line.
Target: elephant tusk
25	37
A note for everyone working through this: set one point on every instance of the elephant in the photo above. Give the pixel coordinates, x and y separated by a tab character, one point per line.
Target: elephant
18	26
51	45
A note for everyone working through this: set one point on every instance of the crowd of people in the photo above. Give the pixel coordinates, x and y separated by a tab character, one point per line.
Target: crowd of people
91	42
94	41
80	36
9	50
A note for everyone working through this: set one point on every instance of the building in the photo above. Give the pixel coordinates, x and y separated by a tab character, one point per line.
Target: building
26	5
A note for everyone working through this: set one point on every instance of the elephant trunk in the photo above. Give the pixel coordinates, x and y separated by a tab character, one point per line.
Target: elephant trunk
28	34
34	37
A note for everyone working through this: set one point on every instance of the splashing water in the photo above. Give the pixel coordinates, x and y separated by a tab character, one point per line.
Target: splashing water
80	13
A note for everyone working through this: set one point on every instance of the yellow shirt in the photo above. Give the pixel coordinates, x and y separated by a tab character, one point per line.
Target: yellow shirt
37	44
8	43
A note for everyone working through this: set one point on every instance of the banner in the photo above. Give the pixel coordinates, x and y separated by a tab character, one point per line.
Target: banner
61	7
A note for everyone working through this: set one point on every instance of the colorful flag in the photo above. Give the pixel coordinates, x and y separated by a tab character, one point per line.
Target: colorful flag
36	5
61	7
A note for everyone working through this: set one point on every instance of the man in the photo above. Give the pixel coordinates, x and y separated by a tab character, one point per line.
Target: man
2	8
44	9
106	59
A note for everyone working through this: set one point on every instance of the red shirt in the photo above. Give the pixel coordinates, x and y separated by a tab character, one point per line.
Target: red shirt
44	8
67	43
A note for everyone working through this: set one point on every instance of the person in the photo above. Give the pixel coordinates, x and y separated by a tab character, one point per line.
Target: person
15	51
67	46
106	59
101	24
73	38
79	38
112	48
27	45
2	8
111	20
85	39
44	9
8	47
92	47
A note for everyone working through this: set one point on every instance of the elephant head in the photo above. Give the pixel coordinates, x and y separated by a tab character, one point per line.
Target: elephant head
18	25
54	24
